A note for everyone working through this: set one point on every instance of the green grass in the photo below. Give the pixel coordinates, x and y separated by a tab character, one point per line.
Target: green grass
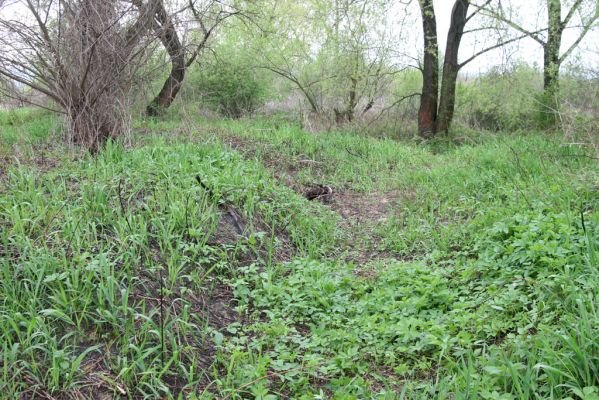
26	126
485	284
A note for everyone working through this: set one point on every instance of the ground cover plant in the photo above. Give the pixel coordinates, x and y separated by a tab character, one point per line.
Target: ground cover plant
318	199
191	265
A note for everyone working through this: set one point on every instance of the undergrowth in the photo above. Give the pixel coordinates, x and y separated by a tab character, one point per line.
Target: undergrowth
118	279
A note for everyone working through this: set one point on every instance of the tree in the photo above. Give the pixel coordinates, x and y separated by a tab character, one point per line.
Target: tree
451	67
294	51
358	48
81	54
437	107
338	54
207	16
550	36
167	32
427	114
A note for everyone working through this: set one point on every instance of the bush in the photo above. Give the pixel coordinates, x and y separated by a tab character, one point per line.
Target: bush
232	90
500	100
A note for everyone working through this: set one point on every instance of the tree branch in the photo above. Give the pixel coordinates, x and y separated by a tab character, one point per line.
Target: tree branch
566	20
532	34
496	46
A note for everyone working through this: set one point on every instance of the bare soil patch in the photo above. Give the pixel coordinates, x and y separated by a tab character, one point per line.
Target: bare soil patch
360	212
356	208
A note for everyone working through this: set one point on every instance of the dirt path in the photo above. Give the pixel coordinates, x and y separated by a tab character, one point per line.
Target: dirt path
360	212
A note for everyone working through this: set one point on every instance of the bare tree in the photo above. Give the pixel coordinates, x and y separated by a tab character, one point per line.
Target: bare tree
550	36
79	53
437	109
582	14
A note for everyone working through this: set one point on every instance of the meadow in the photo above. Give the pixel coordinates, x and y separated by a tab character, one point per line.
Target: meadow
184	262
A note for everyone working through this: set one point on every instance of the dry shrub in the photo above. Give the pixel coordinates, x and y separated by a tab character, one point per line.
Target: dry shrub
82	54
580	130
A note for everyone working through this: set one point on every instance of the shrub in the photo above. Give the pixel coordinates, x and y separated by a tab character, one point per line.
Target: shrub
500	100
231	89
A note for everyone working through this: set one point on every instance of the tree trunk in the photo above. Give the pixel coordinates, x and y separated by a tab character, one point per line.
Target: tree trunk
551	64
347	115
98	78
451	66
551	70
170	40
427	114
551	50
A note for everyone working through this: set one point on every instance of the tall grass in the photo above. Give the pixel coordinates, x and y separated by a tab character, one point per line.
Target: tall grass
478	280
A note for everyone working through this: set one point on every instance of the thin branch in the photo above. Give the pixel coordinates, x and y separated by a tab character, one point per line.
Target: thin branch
31	84
477	10
575	7
395	103
490	48
24	99
532	34
586	28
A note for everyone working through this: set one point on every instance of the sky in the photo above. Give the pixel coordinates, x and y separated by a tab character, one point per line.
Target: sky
531	14
526	50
